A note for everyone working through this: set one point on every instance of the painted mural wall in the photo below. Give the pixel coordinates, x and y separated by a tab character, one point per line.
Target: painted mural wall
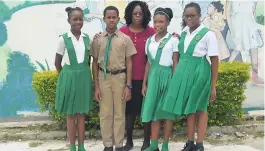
29	31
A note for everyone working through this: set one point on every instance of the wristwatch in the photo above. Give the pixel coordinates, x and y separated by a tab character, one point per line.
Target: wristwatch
129	86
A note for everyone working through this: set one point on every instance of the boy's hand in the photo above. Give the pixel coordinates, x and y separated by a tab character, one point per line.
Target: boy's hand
176	35
97	35
126	94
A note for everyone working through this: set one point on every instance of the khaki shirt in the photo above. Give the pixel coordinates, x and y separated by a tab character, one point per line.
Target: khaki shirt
121	47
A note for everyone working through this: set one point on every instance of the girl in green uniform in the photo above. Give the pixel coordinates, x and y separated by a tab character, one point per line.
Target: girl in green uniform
194	80
74	87
161	50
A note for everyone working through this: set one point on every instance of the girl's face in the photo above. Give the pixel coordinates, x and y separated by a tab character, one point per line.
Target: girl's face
137	15
211	9
191	17
160	23
76	20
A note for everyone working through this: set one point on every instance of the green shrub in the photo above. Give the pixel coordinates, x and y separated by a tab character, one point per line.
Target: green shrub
231	85
226	110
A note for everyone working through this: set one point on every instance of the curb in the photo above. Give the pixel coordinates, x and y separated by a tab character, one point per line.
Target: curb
62	135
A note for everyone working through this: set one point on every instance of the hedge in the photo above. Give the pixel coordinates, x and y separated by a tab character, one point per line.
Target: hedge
226	110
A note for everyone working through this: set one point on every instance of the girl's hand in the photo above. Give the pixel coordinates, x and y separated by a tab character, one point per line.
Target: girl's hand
97	35
144	88
213	94
97	95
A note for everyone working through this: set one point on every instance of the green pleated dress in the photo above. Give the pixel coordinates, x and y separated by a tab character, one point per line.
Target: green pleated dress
159	78
74	93
190	87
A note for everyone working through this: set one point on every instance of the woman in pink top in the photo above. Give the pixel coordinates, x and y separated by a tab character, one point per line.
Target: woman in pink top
137	16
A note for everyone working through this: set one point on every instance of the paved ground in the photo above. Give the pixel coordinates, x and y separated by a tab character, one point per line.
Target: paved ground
254	145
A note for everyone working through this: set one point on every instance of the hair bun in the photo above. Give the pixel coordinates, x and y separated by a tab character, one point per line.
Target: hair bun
68	9
169	13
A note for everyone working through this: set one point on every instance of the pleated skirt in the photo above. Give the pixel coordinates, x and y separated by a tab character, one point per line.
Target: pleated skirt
190	86
74	92
159	78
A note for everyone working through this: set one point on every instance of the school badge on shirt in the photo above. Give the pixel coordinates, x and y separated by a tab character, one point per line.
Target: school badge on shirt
198	37
162	44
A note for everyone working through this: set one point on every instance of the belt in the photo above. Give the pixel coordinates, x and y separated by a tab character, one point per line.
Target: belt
114	72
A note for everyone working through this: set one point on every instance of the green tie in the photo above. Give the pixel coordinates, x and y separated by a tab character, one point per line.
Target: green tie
106	55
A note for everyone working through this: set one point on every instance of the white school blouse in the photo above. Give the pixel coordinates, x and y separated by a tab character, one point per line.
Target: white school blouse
167	52
207	46
78	45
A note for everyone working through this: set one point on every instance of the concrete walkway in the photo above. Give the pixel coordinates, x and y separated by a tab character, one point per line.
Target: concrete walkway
97	146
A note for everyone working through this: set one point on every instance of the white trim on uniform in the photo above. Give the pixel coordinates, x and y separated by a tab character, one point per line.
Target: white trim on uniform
207	46
78	45
167	52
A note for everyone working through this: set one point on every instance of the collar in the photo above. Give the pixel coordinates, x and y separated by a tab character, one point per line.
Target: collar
106	33
153	37
187	29
70	34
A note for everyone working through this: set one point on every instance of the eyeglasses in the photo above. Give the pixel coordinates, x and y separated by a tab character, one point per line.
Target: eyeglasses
140	14
189	16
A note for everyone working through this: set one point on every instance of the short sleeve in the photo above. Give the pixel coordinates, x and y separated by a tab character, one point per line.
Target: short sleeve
61	46
94	51
175	43
212	44
130	48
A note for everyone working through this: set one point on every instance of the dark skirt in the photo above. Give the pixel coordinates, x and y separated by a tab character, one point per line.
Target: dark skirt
134	106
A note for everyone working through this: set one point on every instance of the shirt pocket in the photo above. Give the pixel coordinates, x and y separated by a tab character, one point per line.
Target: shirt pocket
121	51
120	54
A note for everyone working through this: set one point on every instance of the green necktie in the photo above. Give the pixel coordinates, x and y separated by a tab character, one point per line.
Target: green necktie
106	55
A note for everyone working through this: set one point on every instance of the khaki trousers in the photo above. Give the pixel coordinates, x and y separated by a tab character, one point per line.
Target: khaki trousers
112	109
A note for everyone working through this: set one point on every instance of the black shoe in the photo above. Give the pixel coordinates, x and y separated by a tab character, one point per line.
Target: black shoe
188	147
145	145
198	148
108	149
119	149
128	146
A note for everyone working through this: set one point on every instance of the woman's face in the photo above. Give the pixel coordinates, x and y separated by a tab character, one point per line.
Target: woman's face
137	15
211	9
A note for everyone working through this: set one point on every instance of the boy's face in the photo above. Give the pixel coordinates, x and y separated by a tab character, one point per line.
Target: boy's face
111	19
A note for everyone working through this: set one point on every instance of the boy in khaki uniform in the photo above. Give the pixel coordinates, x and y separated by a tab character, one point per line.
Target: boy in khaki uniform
112	72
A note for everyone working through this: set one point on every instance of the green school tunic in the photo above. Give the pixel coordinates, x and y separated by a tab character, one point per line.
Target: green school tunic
159	78
189	90
74	93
